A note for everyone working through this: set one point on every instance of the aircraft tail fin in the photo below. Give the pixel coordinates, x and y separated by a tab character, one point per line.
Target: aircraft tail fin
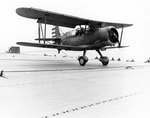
55	32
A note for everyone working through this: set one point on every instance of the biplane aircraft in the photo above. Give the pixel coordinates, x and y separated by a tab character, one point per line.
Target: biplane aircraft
95	35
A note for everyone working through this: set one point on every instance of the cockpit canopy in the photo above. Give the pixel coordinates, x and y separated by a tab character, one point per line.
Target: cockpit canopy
77	32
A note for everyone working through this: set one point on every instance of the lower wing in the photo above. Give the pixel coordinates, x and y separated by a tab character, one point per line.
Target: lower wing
66	47
56	46
113	47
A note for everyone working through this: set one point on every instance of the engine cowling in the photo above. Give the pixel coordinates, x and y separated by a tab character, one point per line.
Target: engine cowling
113	35
106	36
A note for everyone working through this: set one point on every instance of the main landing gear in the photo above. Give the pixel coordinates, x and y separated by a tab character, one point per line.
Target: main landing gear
83	59
103	59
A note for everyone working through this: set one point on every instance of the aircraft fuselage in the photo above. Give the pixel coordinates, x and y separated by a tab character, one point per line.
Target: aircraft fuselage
100	37
78	39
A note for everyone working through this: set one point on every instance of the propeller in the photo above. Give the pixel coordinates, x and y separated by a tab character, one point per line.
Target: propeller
113	35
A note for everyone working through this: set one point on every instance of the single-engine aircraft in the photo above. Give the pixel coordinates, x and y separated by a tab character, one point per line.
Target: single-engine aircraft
95	35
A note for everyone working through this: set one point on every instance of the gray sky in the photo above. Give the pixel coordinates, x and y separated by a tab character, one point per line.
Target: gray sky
15	28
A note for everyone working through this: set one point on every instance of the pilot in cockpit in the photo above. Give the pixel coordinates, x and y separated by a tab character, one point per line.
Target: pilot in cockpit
80	31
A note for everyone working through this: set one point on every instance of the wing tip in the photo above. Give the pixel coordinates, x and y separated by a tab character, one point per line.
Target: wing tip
25	12
128	25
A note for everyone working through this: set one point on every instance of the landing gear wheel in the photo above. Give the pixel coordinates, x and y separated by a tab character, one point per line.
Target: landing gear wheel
104	60
82	60
105	63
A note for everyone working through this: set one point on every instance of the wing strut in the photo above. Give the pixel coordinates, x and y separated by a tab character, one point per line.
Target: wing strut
40	30
121	36
45	29
39	26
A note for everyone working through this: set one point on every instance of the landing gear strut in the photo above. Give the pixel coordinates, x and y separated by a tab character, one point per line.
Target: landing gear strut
103	59
83	59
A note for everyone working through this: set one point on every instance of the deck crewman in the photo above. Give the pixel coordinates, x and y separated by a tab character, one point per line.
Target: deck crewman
2	74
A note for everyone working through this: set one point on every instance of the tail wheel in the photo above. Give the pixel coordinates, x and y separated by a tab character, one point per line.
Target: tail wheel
104	60
82	60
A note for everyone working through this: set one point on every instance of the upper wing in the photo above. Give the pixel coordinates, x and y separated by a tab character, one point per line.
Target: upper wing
56	46
62	19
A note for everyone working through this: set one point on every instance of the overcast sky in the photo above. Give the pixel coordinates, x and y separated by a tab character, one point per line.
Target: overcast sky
15	28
